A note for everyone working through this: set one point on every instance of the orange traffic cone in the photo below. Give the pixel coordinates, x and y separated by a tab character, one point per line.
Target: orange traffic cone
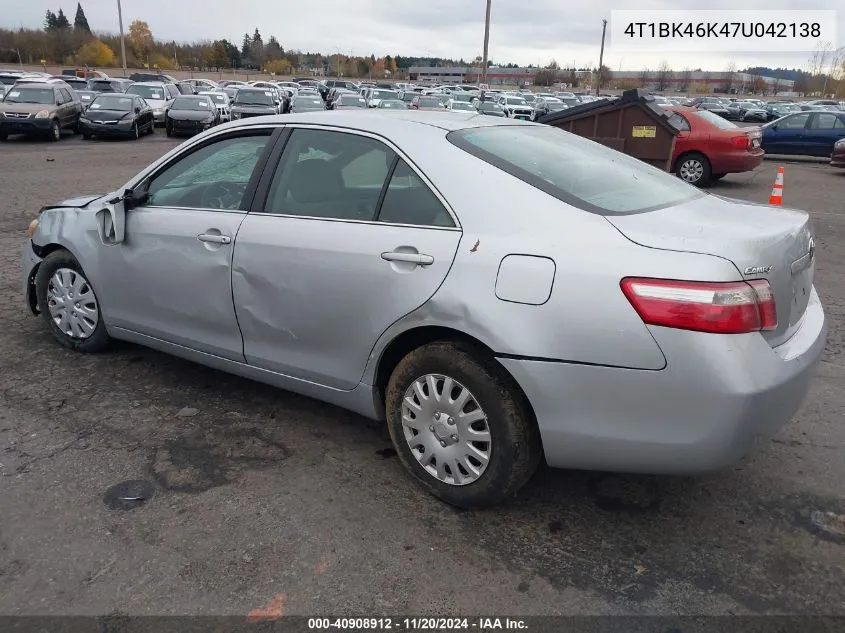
777	189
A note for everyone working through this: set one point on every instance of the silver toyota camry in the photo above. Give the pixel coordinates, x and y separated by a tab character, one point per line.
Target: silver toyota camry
499	292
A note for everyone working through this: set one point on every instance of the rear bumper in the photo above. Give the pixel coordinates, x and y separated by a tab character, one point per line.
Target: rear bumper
26	126
736	162
693	416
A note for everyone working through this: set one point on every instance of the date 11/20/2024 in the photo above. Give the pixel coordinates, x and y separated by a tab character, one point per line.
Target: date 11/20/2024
481	624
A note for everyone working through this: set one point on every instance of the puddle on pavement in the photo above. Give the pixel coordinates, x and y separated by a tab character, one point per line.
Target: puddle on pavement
128	495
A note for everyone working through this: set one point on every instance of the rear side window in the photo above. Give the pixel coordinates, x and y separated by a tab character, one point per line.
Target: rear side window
408	200
679	122
575	170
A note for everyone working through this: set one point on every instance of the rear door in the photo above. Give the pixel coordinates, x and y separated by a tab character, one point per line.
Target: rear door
823	130
346	238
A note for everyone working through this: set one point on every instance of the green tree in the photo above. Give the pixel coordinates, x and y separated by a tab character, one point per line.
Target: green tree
61	20
50	21
256	37
80	22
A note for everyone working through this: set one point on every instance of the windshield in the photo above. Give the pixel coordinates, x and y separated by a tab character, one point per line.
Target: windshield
385	94
101	86
462	96
308	102
147	92
191	104
393	103
29	95
488	106
219	98
460	105
715	119
254	97
115	102
575	170
430	102
351	100
554	106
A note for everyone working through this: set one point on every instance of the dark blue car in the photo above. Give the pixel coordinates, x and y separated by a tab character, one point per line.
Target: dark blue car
806	133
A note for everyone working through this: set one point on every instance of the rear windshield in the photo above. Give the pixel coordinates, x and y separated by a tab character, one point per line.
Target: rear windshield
575	170
715	119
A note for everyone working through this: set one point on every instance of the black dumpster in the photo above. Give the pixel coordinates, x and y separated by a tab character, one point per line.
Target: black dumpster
633	124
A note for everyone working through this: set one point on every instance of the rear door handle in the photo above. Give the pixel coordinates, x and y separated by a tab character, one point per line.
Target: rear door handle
216	239
411	258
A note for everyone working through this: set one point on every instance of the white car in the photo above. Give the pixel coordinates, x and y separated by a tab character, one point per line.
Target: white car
221	101
159	96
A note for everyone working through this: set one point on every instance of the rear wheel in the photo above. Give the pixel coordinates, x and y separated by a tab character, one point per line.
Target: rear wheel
693	168
715	177
460	425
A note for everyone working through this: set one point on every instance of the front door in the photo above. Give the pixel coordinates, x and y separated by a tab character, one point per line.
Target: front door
171	278
787	135
349	240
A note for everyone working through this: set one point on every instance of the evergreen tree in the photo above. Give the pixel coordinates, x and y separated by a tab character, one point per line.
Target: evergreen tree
245	46
50	21
61	20
256	37
80	22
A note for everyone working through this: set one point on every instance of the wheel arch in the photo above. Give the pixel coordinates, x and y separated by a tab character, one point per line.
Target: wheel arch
686	153
409	340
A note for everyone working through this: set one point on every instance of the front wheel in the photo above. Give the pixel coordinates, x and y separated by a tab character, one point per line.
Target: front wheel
460	425
86	135
68	303
55	131
694	168
168	130
136	131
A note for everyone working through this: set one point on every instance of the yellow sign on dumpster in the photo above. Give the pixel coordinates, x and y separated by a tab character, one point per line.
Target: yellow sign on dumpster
644	131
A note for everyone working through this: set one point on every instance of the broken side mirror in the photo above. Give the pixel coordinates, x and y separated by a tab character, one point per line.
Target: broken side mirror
111	221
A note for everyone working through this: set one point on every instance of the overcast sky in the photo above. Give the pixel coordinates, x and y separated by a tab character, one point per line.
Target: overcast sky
522	31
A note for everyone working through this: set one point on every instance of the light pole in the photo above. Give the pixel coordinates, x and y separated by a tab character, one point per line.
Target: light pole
601	56
122	43
486	43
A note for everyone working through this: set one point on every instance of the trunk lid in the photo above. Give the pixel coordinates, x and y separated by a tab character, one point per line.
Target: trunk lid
762	241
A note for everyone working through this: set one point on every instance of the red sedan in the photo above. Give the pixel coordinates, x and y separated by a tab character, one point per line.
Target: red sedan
708	146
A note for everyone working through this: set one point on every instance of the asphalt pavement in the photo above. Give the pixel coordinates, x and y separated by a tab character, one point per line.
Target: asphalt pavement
255	498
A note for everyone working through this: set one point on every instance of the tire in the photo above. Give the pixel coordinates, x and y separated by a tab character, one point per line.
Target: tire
168	130
152	128
55	131
3	136
61	264
136	131
513	451
716	177
86	135
693	168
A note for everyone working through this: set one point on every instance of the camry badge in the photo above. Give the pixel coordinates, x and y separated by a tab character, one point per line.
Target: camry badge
758	270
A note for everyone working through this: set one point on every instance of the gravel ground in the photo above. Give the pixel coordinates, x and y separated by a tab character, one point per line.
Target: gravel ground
266	498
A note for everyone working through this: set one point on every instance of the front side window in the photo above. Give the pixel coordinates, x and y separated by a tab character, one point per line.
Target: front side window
408	200
327	174
575	170
213	177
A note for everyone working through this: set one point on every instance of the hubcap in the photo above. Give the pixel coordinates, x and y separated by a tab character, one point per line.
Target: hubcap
446	429
692	170
72	304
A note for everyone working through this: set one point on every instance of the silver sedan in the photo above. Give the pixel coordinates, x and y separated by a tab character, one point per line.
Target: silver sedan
499	292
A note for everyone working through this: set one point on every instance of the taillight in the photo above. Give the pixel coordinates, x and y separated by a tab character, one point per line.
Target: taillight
742	142
716	307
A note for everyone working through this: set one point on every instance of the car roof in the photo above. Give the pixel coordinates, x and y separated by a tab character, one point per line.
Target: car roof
150	84
399	122
35	84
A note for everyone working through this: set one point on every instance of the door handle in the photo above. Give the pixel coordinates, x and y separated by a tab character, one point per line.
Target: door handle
410	258
216	239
